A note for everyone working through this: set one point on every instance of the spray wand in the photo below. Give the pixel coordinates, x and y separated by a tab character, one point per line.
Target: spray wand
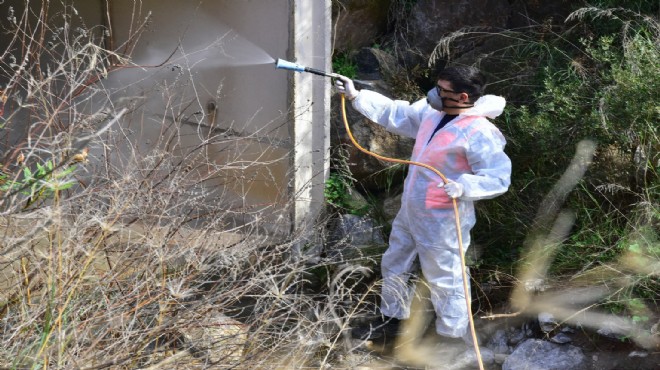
283	64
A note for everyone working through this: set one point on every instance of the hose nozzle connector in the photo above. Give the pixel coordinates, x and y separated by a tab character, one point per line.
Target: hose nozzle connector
283	64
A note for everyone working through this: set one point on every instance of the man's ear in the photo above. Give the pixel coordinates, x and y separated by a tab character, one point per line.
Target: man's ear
464	98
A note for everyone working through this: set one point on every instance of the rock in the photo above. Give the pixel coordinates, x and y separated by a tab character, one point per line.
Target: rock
373	174
500	358
561	338
547	322
468	359
375	64
528	13
615	329
356	239
355	230
431	20
535	285
535	354
391	207
516	336
218	338
359	23
638	354
498	343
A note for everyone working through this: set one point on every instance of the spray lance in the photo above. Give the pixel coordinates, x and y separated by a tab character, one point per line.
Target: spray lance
283	64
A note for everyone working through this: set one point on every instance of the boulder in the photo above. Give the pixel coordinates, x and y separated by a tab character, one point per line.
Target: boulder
431	20
369	171
535	354
218	338
359	23
535	12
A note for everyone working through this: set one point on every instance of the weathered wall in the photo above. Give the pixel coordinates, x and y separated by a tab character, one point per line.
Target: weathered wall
202	69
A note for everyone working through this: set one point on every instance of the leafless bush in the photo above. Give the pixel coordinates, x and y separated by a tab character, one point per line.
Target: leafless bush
116	254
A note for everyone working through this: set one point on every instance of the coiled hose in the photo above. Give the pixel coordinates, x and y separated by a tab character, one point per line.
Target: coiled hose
457	218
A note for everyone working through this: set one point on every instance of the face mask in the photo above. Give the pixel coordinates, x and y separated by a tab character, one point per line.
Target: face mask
434	99
437	103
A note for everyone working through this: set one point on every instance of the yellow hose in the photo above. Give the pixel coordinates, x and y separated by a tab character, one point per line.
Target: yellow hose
458	223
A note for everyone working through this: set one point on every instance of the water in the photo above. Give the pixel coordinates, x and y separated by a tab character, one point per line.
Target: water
204	45
231	49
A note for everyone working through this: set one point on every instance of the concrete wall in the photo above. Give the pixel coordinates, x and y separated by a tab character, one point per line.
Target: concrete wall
216	78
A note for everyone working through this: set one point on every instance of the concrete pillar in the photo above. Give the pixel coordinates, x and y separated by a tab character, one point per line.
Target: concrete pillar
311	44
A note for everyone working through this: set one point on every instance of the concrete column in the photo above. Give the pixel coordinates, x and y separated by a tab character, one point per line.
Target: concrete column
311	44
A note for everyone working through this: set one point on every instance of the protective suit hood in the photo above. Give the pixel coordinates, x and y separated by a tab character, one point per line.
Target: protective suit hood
489	106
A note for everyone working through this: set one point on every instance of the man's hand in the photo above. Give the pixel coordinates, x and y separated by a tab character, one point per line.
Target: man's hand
345	86
453	189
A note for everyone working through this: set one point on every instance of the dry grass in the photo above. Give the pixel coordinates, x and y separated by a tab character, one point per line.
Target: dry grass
120	255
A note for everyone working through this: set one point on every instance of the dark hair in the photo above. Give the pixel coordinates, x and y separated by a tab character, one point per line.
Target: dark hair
465	79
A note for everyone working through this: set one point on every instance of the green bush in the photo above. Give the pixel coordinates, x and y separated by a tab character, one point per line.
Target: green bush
344	65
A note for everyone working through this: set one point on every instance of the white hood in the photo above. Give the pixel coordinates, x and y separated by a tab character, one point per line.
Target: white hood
489	106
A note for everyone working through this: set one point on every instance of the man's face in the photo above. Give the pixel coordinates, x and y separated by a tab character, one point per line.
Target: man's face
450	98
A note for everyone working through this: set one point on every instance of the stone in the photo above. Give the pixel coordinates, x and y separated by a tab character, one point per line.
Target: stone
358	23
217	338
374	64
547	322
431	20
535	285
498	343
468	359
356	230
614	329
516	336
391	207
535	354
561	338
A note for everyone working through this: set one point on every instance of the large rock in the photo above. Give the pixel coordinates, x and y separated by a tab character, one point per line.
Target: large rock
355	230
218	338
372	173
359	23
535	12
535	354
431	20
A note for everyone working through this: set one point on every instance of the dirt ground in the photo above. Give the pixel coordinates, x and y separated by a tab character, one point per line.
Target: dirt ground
610	354
601	352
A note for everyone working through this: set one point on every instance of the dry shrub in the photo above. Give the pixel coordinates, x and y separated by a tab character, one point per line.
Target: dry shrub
120	255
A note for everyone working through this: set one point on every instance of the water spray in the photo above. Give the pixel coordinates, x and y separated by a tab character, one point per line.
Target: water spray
283	64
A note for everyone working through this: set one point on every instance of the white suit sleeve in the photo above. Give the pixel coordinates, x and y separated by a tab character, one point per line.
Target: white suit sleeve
397	116
491	167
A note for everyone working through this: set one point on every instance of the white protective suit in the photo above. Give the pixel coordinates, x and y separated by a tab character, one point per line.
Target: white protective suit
468	150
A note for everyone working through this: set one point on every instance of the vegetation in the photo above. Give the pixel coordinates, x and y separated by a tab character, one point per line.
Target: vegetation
582	126
132	259
119	255
344	65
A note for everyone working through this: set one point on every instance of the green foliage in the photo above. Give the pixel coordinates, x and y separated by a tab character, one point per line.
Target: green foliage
640	6
344	65
338	193
336	190
41	183
596	80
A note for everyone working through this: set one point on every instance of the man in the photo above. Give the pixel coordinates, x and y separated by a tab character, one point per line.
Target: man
452	134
